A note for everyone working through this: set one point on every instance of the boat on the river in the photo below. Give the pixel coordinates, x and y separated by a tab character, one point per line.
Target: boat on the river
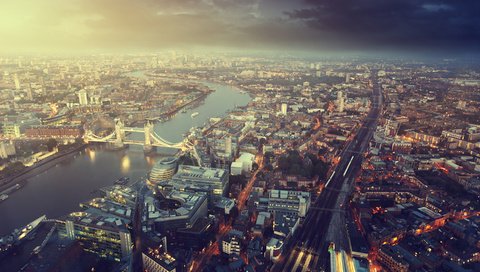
194	114
3	197
11	189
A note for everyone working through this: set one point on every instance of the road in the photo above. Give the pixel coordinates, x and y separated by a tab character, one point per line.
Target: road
307	249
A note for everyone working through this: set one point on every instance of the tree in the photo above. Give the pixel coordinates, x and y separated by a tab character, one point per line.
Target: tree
295	169
51	144
268	167
283	163
320	169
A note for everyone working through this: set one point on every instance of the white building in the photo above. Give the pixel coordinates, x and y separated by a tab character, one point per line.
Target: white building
243	164
17	82
6	149
236	168
284	108
231	244
82	98
340	101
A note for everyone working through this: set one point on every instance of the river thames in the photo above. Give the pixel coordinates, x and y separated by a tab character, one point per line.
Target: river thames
58	189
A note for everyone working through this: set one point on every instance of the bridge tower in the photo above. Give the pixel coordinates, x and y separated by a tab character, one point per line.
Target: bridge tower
148	128
119	133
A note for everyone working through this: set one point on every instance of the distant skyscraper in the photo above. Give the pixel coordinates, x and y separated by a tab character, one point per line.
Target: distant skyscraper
228	146
29	92
340	101
82	97
95	100
347	78
391	128
284	108
17	81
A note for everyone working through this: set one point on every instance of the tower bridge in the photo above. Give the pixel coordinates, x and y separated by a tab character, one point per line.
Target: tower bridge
151	138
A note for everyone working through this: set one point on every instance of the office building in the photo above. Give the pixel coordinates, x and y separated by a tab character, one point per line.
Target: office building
340	101
164	169
95	100
228	146
243	164
236	168
211	180
391	128
100	233
274	249
29	92
231	243
11	130
82	98
284	108
6	149
154	261
17	82
289	202
171	209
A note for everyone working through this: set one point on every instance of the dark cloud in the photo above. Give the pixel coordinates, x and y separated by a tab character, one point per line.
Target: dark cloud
407	24
256	24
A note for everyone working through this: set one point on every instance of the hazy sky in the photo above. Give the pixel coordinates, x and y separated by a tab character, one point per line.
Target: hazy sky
123	25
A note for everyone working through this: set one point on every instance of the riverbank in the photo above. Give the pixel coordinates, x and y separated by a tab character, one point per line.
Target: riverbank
39	167
59	190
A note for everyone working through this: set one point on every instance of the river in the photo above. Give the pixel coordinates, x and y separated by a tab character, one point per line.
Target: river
59	189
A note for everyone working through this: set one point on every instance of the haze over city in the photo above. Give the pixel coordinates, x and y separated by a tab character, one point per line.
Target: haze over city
248	135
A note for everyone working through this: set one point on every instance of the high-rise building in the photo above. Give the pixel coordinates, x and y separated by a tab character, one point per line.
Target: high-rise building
340	101
284	108
105	235
228	146
6	149
11	130
29	92
391	128
154	261
17	81
82	98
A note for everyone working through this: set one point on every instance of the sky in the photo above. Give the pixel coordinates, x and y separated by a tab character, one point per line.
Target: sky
312	25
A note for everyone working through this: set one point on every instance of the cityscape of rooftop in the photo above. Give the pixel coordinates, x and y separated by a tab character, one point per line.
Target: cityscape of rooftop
239	135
